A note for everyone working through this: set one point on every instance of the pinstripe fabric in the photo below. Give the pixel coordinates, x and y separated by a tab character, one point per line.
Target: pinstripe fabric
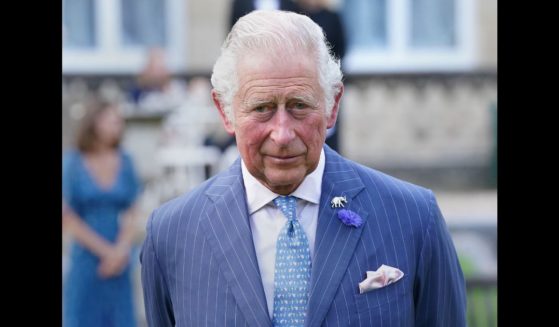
199	266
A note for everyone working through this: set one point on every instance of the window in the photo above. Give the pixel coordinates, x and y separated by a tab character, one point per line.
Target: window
79	23
143	22
113	36
432	23
408	35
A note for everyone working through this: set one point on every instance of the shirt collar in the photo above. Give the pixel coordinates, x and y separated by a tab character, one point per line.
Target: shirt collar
259	195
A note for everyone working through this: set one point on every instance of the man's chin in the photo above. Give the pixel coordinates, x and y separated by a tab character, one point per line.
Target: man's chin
284	182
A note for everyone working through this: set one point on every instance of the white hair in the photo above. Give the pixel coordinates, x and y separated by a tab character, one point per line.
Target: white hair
268	30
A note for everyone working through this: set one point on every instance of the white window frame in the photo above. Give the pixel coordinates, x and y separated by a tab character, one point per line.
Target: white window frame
399	56
109	55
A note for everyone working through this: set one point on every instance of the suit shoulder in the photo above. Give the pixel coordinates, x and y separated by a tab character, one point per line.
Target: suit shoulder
394	188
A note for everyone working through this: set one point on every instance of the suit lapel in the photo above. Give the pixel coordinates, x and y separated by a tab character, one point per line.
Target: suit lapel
227	230
335	241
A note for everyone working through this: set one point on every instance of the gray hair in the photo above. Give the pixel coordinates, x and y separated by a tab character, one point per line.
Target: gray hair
264	29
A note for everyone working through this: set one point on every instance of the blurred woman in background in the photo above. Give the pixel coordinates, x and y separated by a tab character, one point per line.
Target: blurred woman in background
100	187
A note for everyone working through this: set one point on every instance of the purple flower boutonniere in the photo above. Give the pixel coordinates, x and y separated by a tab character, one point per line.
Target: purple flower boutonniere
350	218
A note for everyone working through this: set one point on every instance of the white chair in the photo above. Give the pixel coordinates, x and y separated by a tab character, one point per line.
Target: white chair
184	167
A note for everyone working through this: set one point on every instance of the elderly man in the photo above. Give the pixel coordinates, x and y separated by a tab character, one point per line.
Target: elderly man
293	234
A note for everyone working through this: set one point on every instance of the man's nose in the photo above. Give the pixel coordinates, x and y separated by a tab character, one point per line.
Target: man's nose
282	128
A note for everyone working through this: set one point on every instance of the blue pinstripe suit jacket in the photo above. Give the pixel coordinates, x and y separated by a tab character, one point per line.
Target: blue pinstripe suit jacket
199	266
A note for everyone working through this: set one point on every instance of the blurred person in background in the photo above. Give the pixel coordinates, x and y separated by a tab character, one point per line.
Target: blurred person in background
239	8
329	20
99	189
332	25
155	88
154	77
293	234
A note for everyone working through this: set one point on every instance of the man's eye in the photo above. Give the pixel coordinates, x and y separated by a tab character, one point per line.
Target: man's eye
299	105
261	109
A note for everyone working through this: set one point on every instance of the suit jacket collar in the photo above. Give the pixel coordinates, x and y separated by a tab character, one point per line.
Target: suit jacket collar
335	241
227	230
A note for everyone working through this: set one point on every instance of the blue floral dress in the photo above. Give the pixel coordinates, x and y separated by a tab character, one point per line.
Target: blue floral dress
89	300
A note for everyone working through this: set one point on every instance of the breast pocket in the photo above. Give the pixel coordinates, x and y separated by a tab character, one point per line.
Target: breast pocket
381	296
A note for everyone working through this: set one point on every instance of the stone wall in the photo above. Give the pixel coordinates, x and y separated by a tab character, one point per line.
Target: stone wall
437	132
417	122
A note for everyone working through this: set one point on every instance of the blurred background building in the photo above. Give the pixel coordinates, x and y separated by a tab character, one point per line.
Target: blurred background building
420	102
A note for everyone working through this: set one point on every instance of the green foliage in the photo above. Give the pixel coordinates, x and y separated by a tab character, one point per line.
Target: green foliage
482	302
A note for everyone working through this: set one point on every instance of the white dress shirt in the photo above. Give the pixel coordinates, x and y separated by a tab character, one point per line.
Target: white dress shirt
266	221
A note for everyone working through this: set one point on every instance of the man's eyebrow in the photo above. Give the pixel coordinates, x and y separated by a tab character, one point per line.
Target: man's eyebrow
309	99
251	102
259	100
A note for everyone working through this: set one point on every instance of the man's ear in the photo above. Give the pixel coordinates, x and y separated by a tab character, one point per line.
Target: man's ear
227	124
334	114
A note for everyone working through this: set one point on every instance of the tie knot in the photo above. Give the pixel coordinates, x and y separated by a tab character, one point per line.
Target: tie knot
287	205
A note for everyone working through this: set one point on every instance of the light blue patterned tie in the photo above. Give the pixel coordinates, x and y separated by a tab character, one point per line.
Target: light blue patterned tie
293	268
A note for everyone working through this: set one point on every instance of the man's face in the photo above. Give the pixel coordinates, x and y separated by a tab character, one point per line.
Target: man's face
280	119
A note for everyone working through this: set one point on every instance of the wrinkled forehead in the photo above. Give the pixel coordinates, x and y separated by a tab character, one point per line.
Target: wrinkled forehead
262	75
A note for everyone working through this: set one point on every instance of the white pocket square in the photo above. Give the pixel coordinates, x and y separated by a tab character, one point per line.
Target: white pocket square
384	275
